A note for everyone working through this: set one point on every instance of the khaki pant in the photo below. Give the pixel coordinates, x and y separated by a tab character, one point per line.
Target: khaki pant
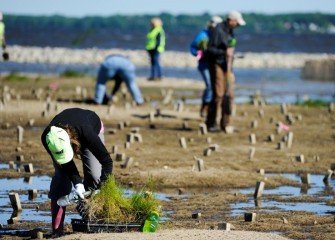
220	107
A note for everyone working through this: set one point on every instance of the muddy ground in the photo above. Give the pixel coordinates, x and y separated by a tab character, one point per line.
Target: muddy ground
31	102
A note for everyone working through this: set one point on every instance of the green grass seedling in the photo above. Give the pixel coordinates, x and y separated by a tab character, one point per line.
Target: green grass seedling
110	204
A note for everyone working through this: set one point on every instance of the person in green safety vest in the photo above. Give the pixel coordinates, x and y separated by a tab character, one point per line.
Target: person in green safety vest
155	45
2	33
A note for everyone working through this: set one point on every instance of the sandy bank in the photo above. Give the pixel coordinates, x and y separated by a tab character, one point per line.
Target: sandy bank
193	234
140	58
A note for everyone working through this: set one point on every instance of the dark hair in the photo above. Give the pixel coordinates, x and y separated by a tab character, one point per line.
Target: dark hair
75	143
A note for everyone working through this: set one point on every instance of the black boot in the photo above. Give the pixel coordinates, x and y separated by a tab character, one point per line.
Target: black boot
57	230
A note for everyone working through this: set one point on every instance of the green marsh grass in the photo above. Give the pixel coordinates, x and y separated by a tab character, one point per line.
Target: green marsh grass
110	204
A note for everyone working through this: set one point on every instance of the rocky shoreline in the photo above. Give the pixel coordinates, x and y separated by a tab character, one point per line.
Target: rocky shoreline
25	54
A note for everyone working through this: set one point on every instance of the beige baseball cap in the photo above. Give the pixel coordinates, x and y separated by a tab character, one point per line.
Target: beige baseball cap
235	15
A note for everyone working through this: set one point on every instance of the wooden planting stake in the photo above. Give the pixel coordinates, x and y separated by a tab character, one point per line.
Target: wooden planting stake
135	130
111	131
20	158
114	149
300	158
127	145
138	137
182	142
252	151
203	128
250	217
31	122
283	108
252	138
128	162
254	124
328	176
200	164
29	168
180	107
32	194
224	226
120	157
130	138
305	178
185	125
214	147
259	189
110	109
261	113
15	201
289	139
271	138
19	131
196	215
120	125
280	145
207	152
11	164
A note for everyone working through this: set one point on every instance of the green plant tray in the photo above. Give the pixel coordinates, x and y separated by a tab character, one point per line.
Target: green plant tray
80	225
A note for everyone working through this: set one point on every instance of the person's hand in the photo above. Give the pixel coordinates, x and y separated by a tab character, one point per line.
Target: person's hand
200	54
80	190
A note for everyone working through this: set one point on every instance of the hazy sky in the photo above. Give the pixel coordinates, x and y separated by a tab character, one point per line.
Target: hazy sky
79	8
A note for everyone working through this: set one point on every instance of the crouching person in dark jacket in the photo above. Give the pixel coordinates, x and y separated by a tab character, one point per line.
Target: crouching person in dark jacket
73	133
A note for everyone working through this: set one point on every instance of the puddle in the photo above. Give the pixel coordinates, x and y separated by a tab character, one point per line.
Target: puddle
6	166
318	208
316	188
34	215
42	184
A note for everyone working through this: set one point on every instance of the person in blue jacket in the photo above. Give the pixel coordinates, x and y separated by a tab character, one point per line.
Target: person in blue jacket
197	48
120	69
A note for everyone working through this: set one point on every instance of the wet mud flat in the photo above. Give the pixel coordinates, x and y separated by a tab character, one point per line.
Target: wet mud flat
296	202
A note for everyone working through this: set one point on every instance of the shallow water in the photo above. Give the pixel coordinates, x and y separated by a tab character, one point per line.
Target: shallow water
318	208
42	184
317	189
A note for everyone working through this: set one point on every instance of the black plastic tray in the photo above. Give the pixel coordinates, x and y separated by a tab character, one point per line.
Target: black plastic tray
80	225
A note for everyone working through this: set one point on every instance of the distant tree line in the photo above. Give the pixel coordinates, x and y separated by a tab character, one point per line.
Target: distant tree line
301	22
129	31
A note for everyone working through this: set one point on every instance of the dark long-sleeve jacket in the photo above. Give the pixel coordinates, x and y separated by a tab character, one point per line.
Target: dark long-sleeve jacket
87	124
218	43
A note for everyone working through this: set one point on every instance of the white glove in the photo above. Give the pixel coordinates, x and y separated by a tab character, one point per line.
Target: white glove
80	190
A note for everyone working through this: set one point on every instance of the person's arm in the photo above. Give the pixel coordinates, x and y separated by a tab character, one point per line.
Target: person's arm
98	149
158	41
71	170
